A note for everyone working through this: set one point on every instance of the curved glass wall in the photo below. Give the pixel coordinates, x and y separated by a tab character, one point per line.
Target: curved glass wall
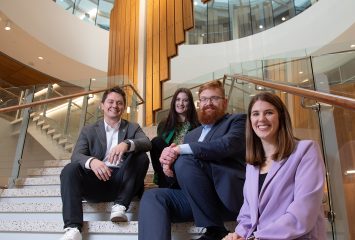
93	11
223	20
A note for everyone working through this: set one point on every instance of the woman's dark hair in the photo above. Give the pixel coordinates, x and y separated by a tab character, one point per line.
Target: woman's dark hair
173	117
285	139
116	90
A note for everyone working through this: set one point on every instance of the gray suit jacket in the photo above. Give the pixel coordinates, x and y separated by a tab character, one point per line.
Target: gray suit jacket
92	140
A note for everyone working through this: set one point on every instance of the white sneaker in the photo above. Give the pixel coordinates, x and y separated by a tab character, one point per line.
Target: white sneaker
118	213
71	234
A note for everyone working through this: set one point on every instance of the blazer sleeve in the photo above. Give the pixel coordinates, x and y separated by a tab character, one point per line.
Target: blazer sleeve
301	215
227	141
244	224
82	151
140	140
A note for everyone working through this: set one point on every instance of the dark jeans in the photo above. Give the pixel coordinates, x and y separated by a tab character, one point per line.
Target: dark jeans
78	184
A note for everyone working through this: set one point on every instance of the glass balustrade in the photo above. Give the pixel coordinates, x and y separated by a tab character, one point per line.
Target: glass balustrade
216	21
49	130
329	69
223	20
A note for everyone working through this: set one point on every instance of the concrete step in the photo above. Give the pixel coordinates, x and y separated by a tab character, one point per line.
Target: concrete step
92	230
51	131
69	147
33	114
62	141
46	127
35	119
49	171
40	123
56	163
56	136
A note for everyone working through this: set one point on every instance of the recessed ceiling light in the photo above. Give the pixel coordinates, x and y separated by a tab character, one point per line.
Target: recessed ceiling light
352	45
93	79
261	26
40	58
306	80
300	72
8	26
283	18
195	3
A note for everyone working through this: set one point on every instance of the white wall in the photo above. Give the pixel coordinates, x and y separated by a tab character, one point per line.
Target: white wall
73	49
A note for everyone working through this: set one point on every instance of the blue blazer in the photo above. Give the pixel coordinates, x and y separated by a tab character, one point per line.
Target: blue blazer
289	205
224	148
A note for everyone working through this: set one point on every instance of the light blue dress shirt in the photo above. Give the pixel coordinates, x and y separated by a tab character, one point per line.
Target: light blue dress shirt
185	148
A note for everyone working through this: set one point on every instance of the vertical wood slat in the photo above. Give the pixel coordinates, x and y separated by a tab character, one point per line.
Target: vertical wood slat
149	64
179	25
136	46
156	55
132	40
170	25
126	40
122	37
164	70
188	14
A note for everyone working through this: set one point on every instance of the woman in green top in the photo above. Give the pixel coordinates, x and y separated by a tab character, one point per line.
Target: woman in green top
181	119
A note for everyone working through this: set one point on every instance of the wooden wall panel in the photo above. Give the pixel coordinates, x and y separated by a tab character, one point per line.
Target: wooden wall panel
164	68
156	56
170	25
188	14
149	64
136	46
166	22
179	25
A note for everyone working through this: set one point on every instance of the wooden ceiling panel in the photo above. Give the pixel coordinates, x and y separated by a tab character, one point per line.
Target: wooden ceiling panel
14	73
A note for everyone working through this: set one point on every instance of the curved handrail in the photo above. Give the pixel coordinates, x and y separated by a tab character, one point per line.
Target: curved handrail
344	102
28	105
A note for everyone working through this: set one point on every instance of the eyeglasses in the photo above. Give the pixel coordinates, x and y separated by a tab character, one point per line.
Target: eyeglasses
213	99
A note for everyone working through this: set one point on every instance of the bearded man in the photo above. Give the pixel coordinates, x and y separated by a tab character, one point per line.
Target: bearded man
210	169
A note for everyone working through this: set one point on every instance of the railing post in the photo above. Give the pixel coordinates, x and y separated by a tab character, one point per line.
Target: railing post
48	94
19	103
83	110
67	117
21	139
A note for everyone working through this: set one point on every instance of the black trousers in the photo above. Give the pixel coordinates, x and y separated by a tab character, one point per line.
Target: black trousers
197	200
78	184
158	145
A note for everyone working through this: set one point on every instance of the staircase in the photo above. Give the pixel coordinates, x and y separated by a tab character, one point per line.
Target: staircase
33	210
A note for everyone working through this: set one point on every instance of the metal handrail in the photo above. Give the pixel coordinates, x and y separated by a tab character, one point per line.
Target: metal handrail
344	102
33	104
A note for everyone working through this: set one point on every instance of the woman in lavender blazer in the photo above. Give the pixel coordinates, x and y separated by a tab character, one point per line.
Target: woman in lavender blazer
284	178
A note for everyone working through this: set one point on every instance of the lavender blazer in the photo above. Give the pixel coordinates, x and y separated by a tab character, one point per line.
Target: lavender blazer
290	202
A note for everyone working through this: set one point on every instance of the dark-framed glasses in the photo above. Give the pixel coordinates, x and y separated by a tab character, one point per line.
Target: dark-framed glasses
213	99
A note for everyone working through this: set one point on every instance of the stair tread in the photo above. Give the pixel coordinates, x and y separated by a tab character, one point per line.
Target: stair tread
89	227
56	207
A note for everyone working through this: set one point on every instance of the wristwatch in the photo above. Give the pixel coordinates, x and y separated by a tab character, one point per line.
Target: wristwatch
128	143
252	237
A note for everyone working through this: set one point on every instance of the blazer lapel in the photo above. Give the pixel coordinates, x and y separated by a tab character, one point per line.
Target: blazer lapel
254	193
101	134
213	129
122	131
273	170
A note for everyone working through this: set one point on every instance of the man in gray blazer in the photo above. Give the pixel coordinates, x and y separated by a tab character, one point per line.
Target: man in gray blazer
210	169
108	163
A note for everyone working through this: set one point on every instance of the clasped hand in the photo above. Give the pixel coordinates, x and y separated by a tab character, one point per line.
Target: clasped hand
168	157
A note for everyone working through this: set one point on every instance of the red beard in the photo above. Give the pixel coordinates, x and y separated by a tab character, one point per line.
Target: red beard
210	114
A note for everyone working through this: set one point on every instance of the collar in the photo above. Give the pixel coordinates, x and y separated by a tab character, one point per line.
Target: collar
109	128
